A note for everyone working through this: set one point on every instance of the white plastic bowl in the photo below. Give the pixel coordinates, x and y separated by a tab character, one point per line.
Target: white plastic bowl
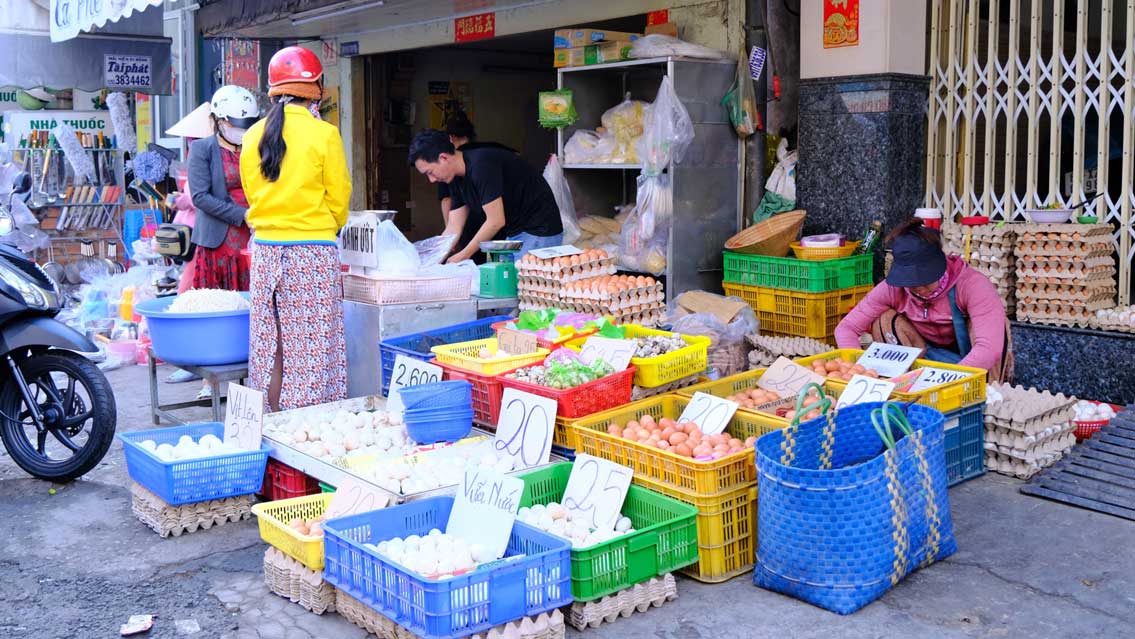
1049	216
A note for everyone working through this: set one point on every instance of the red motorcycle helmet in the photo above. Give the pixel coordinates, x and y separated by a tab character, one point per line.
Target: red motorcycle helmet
294	64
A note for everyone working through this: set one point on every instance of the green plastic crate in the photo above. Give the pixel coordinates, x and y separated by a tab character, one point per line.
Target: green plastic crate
808	276
665	537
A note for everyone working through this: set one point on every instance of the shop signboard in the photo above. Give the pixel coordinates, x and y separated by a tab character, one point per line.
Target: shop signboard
476	27
69	18
127	71
841	23
23	123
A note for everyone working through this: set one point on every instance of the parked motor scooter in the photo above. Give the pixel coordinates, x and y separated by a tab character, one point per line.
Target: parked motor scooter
57	410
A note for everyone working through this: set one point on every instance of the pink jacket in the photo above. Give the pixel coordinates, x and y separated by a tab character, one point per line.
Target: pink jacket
976	298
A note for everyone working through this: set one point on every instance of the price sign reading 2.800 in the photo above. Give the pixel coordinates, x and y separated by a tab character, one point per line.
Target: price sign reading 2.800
527	424
596	489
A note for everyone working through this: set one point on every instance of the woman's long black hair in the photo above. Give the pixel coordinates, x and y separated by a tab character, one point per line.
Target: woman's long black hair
272	146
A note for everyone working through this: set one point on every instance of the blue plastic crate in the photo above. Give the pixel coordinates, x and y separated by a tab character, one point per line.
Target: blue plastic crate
566	453
192	480
965	443
418	345
497	593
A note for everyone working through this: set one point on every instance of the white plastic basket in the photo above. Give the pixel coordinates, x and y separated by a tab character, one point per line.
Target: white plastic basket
404	290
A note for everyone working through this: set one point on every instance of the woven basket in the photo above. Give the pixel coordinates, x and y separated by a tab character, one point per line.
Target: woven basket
770	237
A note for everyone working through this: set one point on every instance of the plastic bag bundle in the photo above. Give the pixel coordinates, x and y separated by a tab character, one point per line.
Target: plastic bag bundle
589	147
554	176
434	250
658	45
782	180
646	232
741	102
667	130
625	122
728	349
397	256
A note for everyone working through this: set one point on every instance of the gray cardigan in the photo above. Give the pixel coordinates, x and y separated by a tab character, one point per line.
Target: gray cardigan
215	209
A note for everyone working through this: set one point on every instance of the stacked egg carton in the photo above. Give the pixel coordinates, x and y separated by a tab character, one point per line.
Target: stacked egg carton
768	348
546	625
292	580
1026	430
1065	272
991	253
630	299
540	282
1120	319
169	520
639	597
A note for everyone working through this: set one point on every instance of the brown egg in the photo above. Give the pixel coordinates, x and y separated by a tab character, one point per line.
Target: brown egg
683	450
678	438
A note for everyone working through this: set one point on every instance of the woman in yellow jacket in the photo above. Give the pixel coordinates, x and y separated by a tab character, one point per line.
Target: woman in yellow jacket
295	178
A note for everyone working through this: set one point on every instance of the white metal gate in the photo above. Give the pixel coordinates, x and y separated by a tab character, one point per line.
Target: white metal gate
1018	91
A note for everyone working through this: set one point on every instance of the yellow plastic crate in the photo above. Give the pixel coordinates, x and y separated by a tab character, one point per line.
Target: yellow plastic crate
706	478
965	392
661	370
563	436
727	531
823	252
274	516
727	386
785	312
466	356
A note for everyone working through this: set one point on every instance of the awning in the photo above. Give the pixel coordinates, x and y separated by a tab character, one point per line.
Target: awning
70	17
89	62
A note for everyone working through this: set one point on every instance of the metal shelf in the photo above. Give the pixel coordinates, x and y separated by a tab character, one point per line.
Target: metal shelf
623	167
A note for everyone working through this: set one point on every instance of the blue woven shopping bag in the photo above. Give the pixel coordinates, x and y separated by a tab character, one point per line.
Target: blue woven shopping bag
846	510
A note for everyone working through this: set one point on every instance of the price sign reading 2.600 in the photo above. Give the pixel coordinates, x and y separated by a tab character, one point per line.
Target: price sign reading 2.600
710	413
527	424
409	372
596	490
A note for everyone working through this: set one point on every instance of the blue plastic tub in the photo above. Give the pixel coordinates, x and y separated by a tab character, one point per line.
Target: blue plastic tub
450	393
188	481
418	345
202	339
441	428
538	580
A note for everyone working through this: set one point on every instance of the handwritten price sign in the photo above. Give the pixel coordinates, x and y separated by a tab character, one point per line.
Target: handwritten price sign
931	377
409	372
785	377
485	509
353	497
616	352
596	490
710	413
526	426
862	389
889	360
516	342
244	416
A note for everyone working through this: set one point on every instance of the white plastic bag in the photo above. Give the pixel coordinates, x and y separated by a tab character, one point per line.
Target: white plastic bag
625	121
396	255
782	180
434	250
658	45
466	268
589	147
646	231
554	176
667	130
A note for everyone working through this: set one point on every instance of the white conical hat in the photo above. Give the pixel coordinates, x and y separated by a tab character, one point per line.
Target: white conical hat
195	125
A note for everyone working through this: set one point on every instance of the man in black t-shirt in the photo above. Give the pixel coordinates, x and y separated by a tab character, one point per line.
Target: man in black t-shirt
518	204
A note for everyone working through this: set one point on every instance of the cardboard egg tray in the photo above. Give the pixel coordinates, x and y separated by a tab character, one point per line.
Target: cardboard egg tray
768	348
639	392
1028	411
537	284
564	269
1062	317
169	520
1072	300
1099	276
1054	231
292	580
647	295
1016	443
546	625
1019	468
1105	323
638	598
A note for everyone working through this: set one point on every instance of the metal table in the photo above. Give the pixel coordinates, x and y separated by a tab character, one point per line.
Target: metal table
215	375
487	306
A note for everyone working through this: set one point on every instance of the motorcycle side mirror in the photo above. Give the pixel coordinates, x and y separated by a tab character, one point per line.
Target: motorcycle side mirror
22	183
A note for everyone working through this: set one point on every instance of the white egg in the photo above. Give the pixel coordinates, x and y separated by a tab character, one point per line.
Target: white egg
446	566
148	444
413	541
544	521
623	524
209	441
300	436
184	439
479	553
538	509
556	511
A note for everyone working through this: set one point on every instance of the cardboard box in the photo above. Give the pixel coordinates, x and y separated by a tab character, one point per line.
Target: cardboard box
666	28
593	54
571	38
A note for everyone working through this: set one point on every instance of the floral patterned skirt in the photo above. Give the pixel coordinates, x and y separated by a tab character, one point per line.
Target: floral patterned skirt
222	267
298	288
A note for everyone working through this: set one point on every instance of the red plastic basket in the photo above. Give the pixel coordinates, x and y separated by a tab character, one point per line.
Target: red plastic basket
486	393
545	343
602	394
281	481
1084	430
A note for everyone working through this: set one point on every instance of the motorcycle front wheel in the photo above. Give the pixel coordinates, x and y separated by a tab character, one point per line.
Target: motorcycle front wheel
77	416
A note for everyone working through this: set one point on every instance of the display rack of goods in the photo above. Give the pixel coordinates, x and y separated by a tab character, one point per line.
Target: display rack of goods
793	313
295	527
653	536
203	327
991	251
1120	319
768	348
793	274
1065	273
481	363
1027	430
397	561
418	345
965	386
188	464
661	357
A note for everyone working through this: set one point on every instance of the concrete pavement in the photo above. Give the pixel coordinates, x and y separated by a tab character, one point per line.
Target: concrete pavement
76	563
